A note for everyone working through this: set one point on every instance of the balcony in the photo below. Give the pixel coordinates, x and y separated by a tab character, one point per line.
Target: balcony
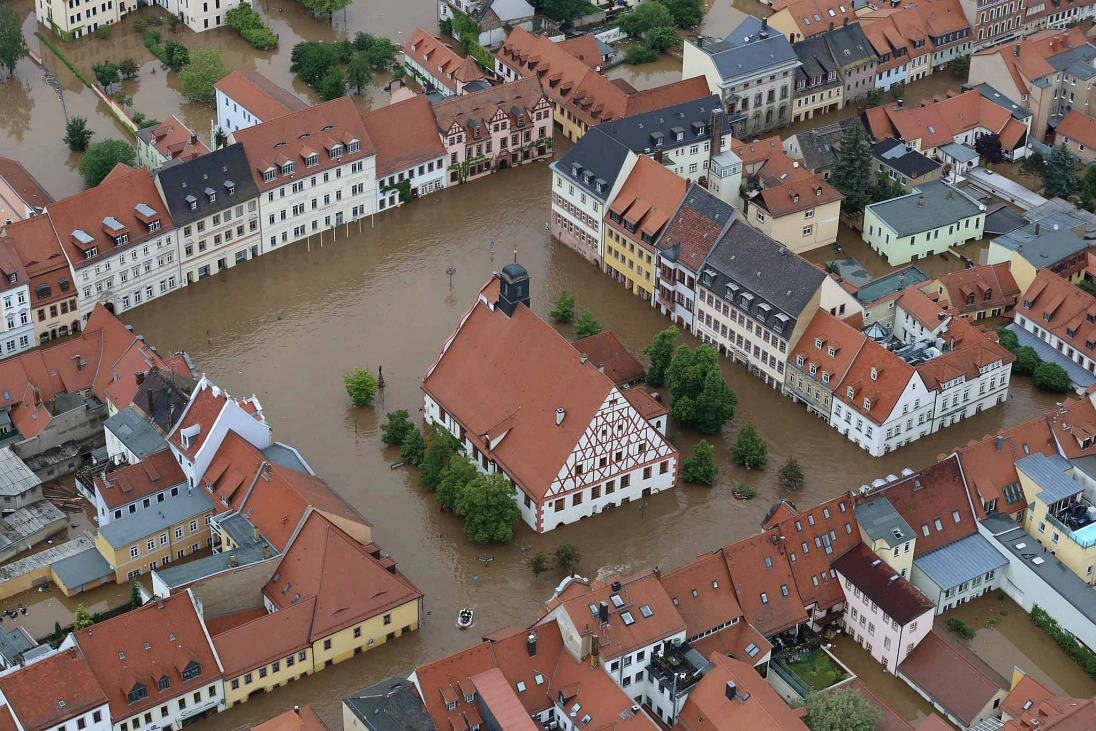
1077	521
666	302
678	668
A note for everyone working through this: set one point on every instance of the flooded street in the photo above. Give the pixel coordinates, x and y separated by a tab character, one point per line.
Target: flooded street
289	325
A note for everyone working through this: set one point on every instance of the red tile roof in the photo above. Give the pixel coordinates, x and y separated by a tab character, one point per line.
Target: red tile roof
175	637
440	61
897	597
584	48
347	582
703	594
173	140
294	137
231	621
48	692
988	464
764	584
598	695
151	475
24	184
882	392
481	106
259	95
756	706
303	720
647	200
735	641
405	134
824	332
643	402
1028	691
1061	308
266	638
1026	59
206	404
40	253
990	286
693	232
807	15
953	675
610	356
789	198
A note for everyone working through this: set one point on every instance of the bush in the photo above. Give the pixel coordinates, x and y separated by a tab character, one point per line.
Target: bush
791	474
992	622
140	25
539	563
103	32
413	449
749	449
398	428
742	491
249	24
566	557
1027	360
637	54
77	134
1065	641
961	628
587	325
1007	338
177	54
152	43
701	469
361	386
1051	377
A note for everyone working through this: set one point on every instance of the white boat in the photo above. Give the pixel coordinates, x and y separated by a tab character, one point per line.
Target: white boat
464	618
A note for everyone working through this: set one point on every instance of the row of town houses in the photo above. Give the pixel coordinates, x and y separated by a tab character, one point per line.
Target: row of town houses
244	544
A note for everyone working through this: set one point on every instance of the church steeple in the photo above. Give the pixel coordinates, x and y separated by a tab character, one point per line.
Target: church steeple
514	287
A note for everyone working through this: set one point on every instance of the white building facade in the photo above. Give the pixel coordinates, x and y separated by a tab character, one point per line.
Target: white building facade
16	327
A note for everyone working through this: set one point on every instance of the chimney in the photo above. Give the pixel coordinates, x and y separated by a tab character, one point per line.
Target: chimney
1000	439
716	129
297	710
616	586
603	612
1016	50
845	23
831	25
232	560
559	415
255	533
731	690
600	367
1036	228
266	551
531	644
140	376
582	358
194	139
920	201
949	193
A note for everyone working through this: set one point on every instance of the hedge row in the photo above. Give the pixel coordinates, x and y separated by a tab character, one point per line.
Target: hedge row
1071	647
64	59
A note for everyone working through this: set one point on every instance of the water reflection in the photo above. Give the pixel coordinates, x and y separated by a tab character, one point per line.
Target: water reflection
15	111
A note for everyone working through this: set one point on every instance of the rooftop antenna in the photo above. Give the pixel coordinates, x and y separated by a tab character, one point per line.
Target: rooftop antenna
515	255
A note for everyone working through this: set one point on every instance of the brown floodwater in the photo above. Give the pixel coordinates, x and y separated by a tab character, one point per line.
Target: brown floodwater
288	325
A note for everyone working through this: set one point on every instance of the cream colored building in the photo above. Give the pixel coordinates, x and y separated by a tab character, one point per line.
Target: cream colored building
77	18
802	216
150	539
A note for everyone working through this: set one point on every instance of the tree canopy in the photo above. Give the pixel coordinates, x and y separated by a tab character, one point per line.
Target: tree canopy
686	13
791	474
567	556
645	17
102	156
361	386
489	509
700	469
564	11
1060	175
587	324
77	134
397	427
852	172
988	146
1027	360
700	397
12	46
310	60
205	68
1051	377
564	308
454	478
661	353
333	84
843	709
749	449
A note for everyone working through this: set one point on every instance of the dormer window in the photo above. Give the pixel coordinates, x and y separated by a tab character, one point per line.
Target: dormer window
154	225
831	351
867	404
191	671
122	239
970	298
138	693
874	374
287	169
164	683
212	194
91	253
813	369
354	146
312	160
818	343
850	392
336	152
825	377
12	278
269	175
988	296
799	361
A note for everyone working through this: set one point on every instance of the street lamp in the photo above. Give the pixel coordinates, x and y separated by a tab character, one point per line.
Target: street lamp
450	271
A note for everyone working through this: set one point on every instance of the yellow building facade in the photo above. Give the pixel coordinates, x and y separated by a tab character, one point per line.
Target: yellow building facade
267	677
154	537
629	262
364	636
1046	501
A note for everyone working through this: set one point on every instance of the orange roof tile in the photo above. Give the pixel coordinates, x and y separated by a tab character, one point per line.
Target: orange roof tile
303	720
610	356
597	695
740	640
826	332
1062	309
40	252
24	184
882	393
756	706
48	692
789	198
259	95
1026	59
978	288
703	594
265	638
764	584
584	48
441	61
174	140
405	134
154	473
1078	127
647	200
482	106
953	675
643	402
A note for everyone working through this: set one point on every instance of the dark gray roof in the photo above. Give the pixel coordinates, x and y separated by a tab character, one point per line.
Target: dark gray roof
960	561
880	521
1077	61
15	643
1055	241
1058	577
598	157
905	216
744	52
147	522
162	397
894	154
636	132
182	574
849	46
16	477
1079	377
82	568
189	181
820	145
390	705
135	433
888	284
1003	220
765	269
990	93
814	55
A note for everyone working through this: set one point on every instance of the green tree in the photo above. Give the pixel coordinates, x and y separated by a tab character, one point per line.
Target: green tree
988	146
700	469
885	189
135	601
700	396
539	563
83	620
397	427
12	46
106	73
57	631
1033	165
358	73
587	325
662	39
564	308
77	134
1051	377
102	156
125	99
103	32
749	449
852	171
362	41
440	448
333	84
382	53
841	710
661	352
960	66
177	54
361	386
196	79
566	557
489	507
1007	339
564	11
1088	286
1027	360
413	449
686	13
326	8
455	477
643	18
1060	176
639	53
128	68
791	474
311	59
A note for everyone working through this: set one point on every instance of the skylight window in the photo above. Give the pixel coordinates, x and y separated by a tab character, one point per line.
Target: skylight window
586	719
752	649
538	679
645	610
617	601
628	619
521	686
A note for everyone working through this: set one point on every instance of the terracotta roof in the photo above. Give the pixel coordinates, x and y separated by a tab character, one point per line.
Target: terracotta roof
303	720
643	402
291	138
512	657
756	705
813	17
1027	59
953	675
823	333
610	356
41	255
440	61
695	228
517	370
584	48
994	281
814	537
7	721
890	721
647	200
735	641
174	140
1072	425
481	106
348	583
898	598
1027	691
265	639
231	621
405	134
154	473
259	95
703	594
619	637
882	392
90	211
789	198
969	351
24	184
48	692
206	404
598	696
759	567
758	151
160	639
911	124
1061	308
934	494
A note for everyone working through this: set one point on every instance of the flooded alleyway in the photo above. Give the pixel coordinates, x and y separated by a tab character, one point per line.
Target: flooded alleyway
289	324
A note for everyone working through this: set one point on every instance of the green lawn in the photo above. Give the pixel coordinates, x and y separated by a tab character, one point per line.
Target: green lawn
817	671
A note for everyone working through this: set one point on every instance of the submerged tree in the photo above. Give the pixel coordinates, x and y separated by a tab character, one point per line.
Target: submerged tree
852	172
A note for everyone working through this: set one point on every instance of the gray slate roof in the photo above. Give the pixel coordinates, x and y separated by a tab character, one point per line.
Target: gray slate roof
962	153
1003	220
905	217
765	269
597	154
911	163
1078	376
143	523
1050	245
15	477
390	705
15	643
990	93
959	561
181	574
1049	473
135	433
744	52
888	284
638	131
849	46
191	178
819	146
815	59
82	568
880	520
287	456
1076	61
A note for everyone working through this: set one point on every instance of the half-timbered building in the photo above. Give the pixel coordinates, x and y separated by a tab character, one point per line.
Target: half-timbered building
525	403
